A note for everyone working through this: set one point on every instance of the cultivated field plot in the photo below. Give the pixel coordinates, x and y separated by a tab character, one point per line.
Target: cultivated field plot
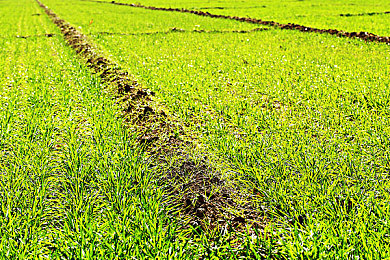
271	144
355	15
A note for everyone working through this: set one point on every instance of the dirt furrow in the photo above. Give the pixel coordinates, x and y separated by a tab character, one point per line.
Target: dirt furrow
196	191
290	26
33	36
180	30
365	14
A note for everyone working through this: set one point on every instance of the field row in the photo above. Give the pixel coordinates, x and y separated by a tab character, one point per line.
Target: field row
362	35
300	118
364	14
160	133
73	183
314	13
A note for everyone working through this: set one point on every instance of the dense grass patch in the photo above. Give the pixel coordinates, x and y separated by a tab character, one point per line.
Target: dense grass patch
373	16
298	122
301	119
72	183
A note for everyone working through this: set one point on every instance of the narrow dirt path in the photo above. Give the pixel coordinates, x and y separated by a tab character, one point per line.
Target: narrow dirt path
196	190
30	36
365	14
179	30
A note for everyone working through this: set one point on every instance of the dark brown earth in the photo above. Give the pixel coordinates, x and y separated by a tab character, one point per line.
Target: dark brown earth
365	14
195	189
34	36
230	7
290	26
207	198
180	30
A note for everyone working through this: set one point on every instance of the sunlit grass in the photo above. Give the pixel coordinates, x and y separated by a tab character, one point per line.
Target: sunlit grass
301	119
73	184
313	13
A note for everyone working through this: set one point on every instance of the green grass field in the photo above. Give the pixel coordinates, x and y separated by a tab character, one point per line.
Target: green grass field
313	13
72	183
297	123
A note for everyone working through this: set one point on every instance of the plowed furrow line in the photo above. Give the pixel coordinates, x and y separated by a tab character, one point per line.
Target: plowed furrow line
290	26
365	14
108	71
29	36
195	189
179	30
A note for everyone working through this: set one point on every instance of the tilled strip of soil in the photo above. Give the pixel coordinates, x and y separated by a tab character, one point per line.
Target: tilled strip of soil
108	71
30	36
230	7
290	26
179	30
365	14
195	189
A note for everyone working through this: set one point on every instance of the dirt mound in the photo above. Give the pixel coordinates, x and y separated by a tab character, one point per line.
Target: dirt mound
208	200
